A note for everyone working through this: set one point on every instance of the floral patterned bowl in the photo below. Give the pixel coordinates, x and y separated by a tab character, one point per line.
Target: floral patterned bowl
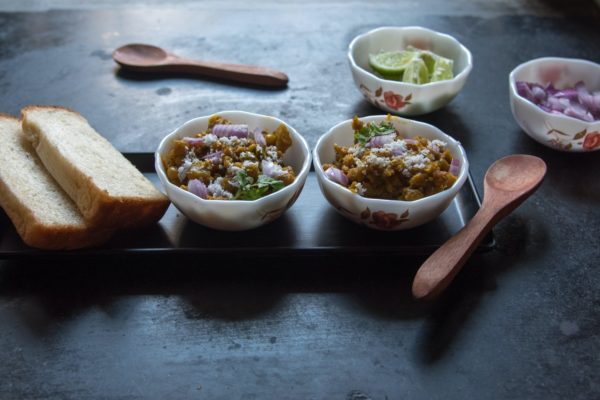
379	213
236	215
559	132
406	98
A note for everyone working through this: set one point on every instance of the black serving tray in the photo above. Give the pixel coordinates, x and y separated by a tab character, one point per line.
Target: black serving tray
311	227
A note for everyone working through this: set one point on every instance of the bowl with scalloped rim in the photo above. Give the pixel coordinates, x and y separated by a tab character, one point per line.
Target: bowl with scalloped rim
236	215
404	98
557	131
383	214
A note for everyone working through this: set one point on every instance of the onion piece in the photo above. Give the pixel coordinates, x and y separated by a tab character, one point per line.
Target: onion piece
568	93
577	102
398	151
197	187
228	130
337	175
556	104
194	141
539	94
585	98
596	110
454	167
410	141
259	138
576	110
216	156
524	90
380	141
550	89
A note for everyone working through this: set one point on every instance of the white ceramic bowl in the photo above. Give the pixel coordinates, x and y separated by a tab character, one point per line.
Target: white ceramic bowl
559	132
237	215
378	213
406	98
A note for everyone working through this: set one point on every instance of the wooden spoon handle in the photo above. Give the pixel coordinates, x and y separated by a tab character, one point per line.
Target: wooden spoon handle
250	74
440	268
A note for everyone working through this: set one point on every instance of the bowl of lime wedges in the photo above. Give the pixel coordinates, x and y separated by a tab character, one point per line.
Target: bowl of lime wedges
408	70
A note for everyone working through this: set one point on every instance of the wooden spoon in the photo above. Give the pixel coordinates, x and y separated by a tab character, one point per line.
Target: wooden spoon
507	183
148	58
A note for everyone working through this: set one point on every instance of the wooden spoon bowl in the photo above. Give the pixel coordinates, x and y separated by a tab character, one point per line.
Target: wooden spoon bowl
508	182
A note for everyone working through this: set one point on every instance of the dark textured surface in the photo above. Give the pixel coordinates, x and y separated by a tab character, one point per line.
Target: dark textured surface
519	322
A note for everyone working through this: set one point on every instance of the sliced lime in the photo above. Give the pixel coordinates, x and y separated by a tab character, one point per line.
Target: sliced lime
416	72
430	59
442	70
391	64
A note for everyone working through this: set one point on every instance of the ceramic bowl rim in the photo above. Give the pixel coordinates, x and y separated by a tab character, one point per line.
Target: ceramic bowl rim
230	203
461	75
452	191
534	108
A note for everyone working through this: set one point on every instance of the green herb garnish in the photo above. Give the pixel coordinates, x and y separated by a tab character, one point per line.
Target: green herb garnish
370	130
249	190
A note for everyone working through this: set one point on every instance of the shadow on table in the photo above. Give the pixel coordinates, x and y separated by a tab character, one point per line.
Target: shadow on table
576	174
239	289
124	74
517	242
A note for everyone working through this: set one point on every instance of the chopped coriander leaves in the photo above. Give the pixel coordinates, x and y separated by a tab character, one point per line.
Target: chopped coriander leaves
250	190
363	135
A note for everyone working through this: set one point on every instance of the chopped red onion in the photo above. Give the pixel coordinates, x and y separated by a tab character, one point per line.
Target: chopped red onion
259	138
577	102
576	110
550	88
380	141
197	187
589	100
454	166
568	93
398	151
337	176
228	130
557	104
524	90
194	141
539	94
216	156
411	141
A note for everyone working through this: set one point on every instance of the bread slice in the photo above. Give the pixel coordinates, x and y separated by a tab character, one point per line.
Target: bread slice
107	188
43	214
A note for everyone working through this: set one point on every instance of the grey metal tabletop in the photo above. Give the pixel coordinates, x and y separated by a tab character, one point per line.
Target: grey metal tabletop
520	321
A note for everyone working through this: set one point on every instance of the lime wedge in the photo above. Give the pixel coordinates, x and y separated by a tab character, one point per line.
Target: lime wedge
391	64
442	70
416	72
430	59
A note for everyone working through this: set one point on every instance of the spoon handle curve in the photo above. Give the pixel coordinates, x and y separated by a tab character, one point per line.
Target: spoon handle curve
439	269
249	74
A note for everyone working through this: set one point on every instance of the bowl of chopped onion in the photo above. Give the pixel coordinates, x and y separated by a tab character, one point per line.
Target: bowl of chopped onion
233	170
408	70
556	101
387	172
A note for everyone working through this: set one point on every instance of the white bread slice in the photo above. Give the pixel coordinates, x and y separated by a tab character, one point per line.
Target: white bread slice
107	188
43	214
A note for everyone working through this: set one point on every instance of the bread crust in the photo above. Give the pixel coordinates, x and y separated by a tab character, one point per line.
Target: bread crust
27	222
98	206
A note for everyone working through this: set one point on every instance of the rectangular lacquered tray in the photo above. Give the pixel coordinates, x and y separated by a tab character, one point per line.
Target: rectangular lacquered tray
311	227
